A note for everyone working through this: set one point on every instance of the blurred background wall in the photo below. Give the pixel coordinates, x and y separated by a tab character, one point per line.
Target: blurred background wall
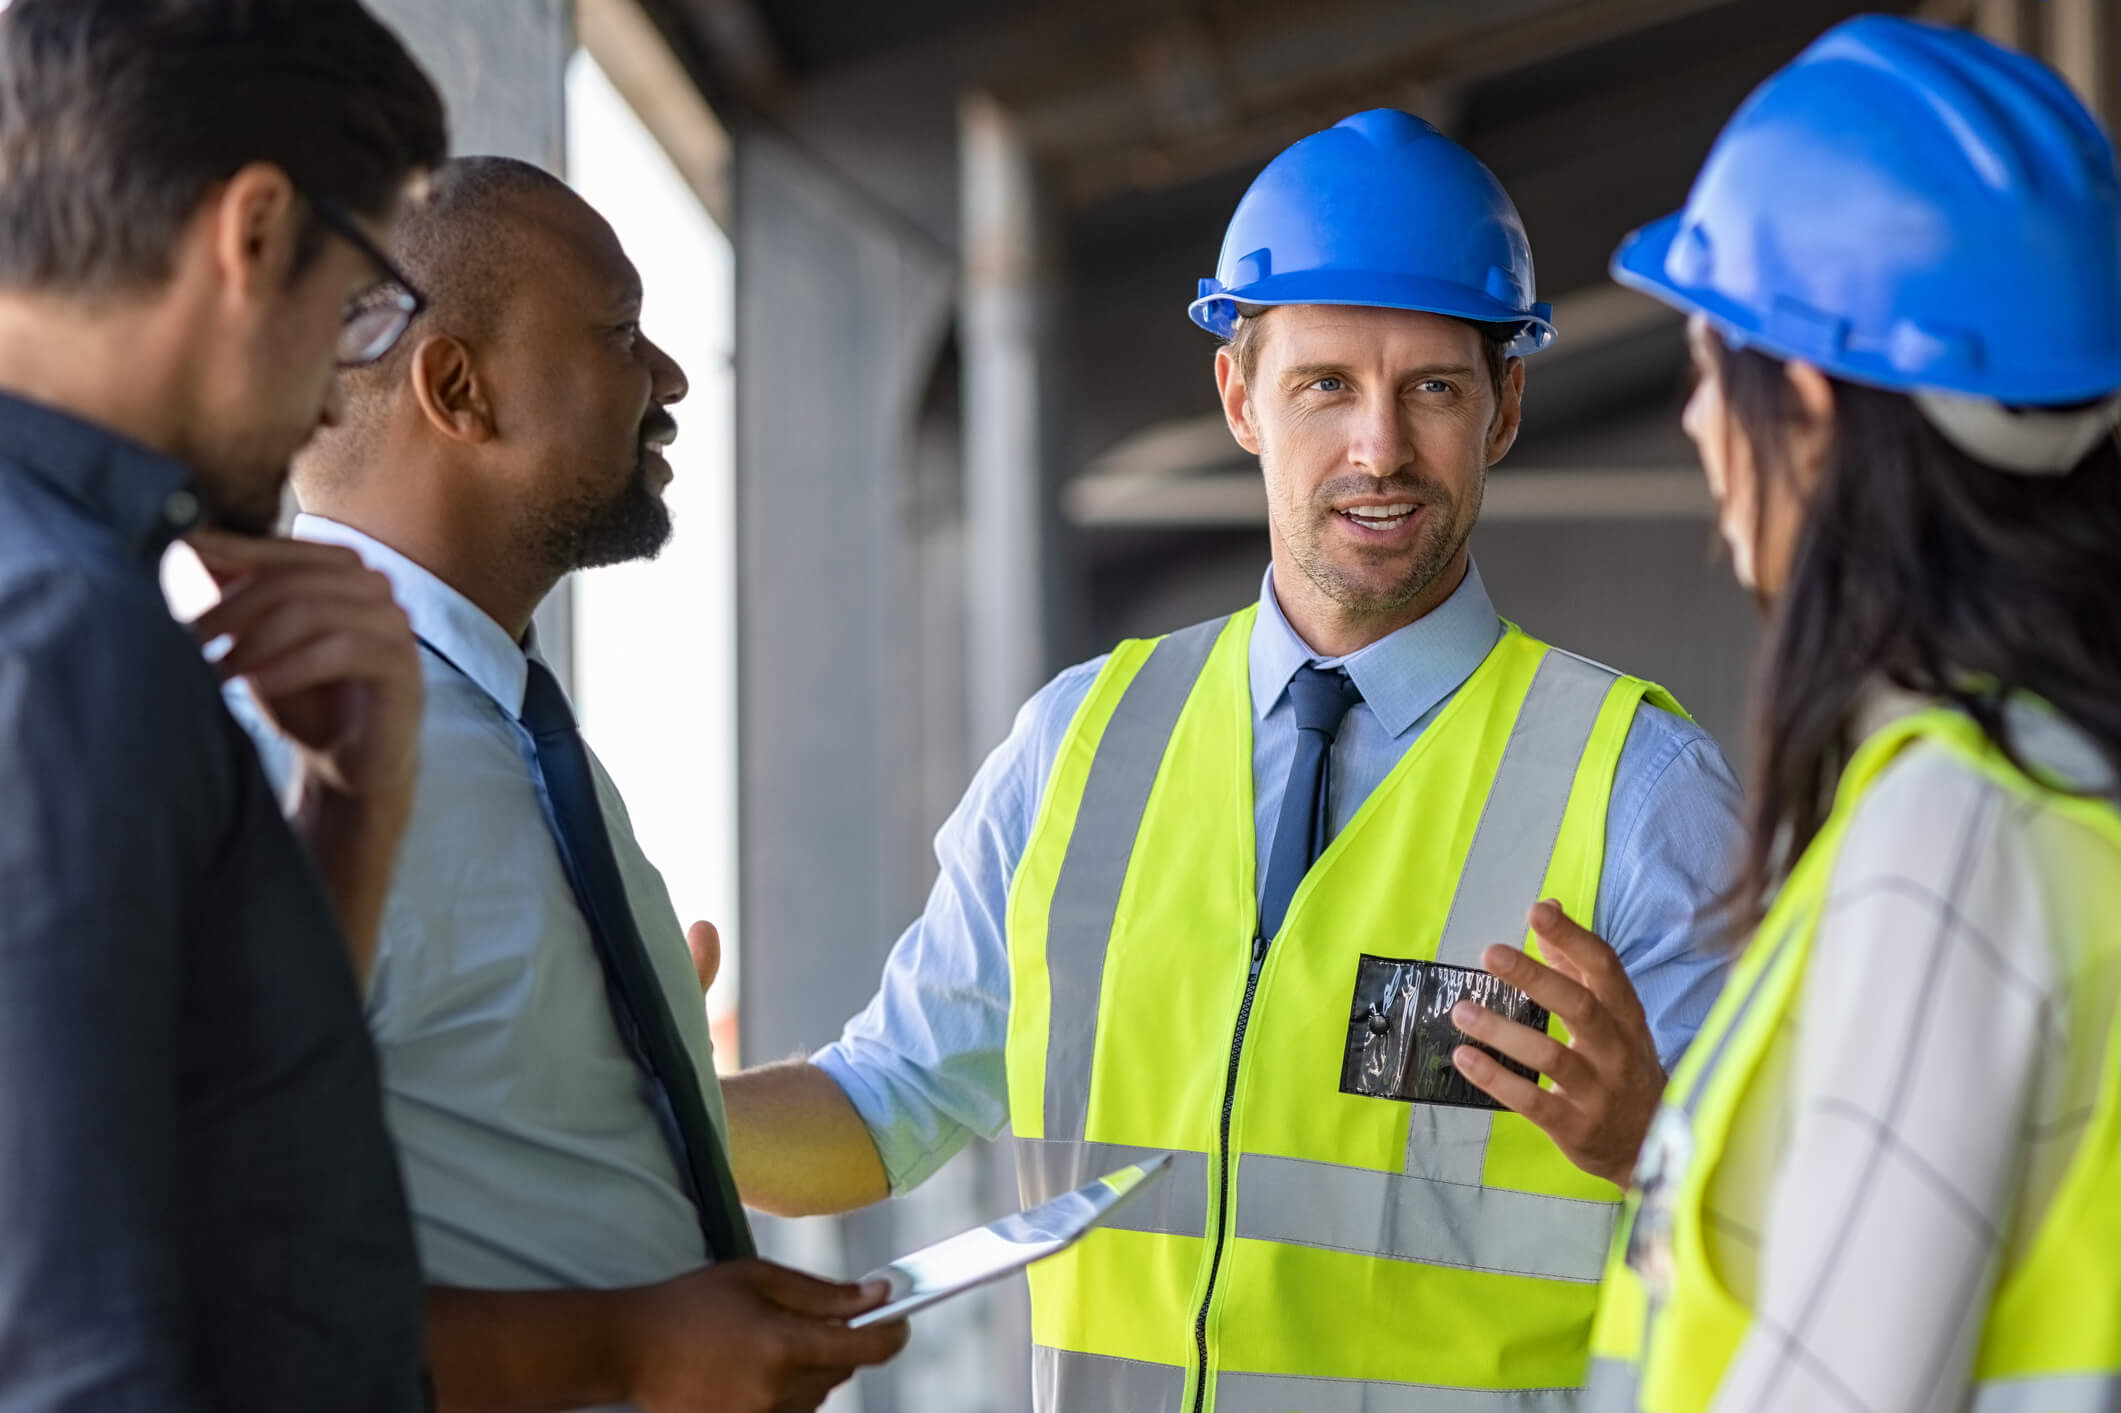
927	263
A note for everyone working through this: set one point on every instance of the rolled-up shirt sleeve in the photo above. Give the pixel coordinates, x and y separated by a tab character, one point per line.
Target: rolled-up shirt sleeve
1674	827
110	802
924	1063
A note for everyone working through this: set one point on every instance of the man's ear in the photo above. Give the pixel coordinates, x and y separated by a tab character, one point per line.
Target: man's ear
254	226
447	390
1509	414
1236	398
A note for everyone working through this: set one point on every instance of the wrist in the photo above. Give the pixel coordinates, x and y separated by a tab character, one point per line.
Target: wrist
624	1345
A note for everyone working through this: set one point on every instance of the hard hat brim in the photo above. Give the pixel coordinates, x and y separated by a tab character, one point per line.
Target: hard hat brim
1217	312
1643	263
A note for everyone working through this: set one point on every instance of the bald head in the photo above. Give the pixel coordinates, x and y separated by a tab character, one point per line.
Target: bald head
464	245
467	249
515	432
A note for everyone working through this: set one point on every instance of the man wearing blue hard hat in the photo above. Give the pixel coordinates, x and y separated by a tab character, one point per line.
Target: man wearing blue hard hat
1243	893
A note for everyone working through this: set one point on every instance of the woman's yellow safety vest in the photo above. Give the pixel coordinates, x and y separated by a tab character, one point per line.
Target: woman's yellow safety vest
1668	1327
1312	1250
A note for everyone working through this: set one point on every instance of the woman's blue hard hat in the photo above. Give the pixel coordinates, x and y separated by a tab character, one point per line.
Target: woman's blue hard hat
1910	207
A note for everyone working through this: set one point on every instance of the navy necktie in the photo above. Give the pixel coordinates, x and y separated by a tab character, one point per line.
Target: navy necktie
1321	698
637	1000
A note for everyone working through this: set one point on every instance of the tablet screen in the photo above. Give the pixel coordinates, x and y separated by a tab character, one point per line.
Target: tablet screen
988	1253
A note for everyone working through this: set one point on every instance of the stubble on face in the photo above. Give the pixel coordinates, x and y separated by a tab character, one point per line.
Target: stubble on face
1369	584
242	498
244	459
1360	409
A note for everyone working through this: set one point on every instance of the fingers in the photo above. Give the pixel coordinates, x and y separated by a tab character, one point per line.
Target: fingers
276	634
1607	1080
819	1345
1513	1091
252	597
802	1294
815	1336
831	1346
1534	1048
301	615
705	944
327	660
1580	1009
1596	964
230	557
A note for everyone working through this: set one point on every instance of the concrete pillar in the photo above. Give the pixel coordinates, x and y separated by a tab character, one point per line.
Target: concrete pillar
2012	22
840	312
502	67
1005	333
2085	45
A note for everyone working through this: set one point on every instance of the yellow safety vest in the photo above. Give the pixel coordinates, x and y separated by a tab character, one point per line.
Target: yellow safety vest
1312	1250
2052	1341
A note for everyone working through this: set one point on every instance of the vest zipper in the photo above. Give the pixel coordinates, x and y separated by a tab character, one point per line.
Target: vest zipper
1222	1197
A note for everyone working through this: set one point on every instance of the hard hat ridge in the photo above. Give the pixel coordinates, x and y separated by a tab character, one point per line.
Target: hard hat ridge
1910	207
1380	210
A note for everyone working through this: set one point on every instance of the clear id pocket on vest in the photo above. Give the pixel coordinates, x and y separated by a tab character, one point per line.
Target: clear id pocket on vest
1400	1035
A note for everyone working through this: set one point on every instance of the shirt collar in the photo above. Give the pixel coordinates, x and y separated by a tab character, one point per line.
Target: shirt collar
444	619
1403	675
144	497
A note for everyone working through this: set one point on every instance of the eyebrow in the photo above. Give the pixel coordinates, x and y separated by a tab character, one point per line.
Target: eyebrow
1306	372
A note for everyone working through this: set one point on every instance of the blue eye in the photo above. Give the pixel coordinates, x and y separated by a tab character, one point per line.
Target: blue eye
1329	384
1435	384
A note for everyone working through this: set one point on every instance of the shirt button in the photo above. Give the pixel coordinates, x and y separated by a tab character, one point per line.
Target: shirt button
181	510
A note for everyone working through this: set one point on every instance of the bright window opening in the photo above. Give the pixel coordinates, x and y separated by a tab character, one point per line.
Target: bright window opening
655	643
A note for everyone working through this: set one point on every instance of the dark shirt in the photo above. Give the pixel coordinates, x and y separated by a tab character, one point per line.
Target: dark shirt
199	1206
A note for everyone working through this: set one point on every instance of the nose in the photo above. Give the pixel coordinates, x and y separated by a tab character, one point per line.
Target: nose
1378	442
333	412
1694	420
670	384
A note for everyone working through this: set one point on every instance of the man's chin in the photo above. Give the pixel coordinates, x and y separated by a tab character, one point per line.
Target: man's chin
253	513
1368	589
640	535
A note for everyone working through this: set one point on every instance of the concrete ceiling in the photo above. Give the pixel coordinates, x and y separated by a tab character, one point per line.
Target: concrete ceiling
1149	117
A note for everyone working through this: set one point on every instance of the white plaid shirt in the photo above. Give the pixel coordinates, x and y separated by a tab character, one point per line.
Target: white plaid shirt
1919	1110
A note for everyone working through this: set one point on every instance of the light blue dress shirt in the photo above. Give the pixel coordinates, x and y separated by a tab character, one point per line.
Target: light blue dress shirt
923	1064
531	1156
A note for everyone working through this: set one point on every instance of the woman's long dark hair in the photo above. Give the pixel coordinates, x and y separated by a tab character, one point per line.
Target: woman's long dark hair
1922	566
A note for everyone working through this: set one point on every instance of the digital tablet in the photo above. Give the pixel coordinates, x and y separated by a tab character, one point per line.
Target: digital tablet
990	1252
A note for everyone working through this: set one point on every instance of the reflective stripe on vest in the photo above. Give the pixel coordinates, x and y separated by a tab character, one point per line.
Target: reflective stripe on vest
2056	1393
1086	898
2051	1340
1444	1210
1064	1379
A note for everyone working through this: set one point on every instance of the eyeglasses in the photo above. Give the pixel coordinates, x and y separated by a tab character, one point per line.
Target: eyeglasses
377	317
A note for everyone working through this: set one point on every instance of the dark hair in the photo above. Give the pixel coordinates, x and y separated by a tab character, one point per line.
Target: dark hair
1921	565
1494	346
117	117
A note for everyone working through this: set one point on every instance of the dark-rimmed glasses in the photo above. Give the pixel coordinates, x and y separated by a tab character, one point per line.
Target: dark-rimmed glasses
377	317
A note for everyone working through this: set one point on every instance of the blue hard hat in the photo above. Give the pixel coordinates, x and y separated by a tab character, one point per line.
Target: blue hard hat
1910	207
1384	211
